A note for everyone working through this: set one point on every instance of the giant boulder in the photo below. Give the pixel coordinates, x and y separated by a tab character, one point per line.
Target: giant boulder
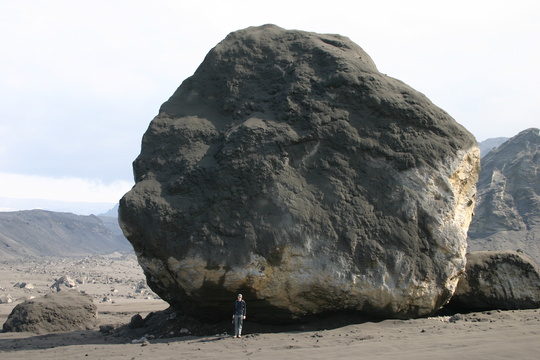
290	169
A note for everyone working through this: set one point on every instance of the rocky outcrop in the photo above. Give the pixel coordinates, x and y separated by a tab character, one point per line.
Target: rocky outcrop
61	311
507	215
498	280
288	168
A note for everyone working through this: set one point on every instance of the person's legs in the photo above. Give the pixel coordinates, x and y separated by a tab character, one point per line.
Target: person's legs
240	322
236	325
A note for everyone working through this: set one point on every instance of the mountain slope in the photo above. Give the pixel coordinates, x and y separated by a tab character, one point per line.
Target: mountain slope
507	215
48	233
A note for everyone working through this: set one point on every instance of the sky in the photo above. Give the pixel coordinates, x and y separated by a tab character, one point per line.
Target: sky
80	81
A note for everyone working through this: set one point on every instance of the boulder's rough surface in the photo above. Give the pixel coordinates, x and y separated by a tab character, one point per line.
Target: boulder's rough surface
290	169
61	311
498	280
507	215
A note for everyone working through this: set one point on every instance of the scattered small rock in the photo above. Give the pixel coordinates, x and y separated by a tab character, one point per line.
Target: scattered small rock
63	283
139	341
6	299
106	329
136	322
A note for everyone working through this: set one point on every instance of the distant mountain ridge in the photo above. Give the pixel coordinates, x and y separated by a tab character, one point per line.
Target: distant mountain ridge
48	233
81	208
489	144
507	214
112	212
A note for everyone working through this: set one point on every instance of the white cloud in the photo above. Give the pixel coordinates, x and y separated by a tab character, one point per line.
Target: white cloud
61	189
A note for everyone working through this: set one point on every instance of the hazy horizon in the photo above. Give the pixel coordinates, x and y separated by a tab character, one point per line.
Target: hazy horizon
75	207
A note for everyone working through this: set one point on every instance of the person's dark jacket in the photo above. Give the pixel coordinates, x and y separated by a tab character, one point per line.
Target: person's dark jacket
240	307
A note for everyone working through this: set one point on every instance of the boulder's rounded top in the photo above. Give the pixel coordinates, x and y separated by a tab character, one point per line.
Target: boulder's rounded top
265	64
313	83
276	38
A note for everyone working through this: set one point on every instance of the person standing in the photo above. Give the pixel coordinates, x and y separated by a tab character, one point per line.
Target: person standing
239	315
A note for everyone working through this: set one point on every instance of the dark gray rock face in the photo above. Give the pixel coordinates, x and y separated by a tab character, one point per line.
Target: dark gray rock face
288	168
498	280
507	215
61	311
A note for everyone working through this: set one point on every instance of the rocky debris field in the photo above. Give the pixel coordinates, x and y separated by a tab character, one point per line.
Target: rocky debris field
112	281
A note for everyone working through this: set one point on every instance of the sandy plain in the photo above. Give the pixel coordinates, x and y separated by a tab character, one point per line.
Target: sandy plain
118	288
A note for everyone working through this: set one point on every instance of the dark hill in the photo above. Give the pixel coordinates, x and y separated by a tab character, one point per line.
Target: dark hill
48	233
507	215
